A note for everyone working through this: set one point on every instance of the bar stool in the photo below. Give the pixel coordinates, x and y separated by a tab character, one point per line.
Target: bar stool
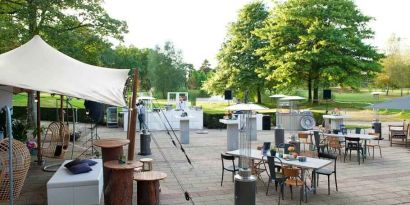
146	164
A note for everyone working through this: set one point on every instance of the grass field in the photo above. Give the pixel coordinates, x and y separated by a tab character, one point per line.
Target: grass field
342	100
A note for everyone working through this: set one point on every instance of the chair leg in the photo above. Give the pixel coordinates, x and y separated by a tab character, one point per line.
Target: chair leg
222	180
291	192
336	182
380	148
267	189
373	152
317	180
328	184
233	176
358	155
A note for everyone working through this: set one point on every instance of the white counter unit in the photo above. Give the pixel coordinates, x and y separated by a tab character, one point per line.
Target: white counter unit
156	120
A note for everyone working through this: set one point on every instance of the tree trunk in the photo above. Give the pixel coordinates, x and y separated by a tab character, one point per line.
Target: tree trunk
259	95
32	31
310	90
316	91
387	91
401	91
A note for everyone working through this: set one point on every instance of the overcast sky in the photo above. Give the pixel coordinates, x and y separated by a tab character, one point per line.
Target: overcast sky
198	27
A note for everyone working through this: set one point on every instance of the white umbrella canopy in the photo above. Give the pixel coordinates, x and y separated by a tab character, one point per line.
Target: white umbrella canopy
292	98
38	66
278	96
246	107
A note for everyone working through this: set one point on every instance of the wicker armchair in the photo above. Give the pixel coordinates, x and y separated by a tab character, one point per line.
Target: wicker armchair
55	143
21	165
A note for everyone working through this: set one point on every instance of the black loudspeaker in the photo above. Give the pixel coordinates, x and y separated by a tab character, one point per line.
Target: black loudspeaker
95	110
228	94
327	94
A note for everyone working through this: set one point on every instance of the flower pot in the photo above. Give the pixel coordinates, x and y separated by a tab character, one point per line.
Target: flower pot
273	153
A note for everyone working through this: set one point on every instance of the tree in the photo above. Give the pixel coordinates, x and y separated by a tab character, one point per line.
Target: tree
129	58
65	24
318	43
395	66
205	66
166	69
238	61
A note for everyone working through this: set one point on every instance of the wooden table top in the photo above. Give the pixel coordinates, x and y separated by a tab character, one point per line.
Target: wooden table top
114	164
149	176
111	143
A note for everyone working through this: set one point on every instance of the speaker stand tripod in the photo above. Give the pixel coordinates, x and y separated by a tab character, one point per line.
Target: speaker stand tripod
93	137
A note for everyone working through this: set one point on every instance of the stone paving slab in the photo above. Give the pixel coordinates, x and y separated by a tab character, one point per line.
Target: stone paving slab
380	181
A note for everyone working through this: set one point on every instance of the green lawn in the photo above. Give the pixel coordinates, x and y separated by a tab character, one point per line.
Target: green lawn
345	100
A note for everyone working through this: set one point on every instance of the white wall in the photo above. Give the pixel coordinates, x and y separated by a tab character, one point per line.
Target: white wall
6	96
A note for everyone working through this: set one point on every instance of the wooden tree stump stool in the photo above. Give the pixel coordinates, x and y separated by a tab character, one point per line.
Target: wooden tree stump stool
146	164
111	150
148	187
119	187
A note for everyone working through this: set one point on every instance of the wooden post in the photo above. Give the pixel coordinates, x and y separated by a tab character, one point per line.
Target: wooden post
62	108
133	121
39	155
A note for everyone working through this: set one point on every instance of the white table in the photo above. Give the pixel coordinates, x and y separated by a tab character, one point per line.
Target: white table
65	188
364	137
232	130
310	163
333	122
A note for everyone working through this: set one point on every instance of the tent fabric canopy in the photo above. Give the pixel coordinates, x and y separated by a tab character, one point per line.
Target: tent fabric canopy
402	103
40	67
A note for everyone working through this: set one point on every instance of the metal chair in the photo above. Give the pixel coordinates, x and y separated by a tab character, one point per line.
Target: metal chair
375	145
327	171
231	168
353	143
55	144
319	144
275	176
293	179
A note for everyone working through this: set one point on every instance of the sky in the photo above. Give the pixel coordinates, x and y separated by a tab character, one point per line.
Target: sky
199	27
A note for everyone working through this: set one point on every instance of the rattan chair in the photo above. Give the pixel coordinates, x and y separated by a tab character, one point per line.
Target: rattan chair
55	144
21	165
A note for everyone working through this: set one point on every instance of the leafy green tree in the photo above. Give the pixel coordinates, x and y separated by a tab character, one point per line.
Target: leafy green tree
318	43
129	58
205	66
78	28
166	69
238	61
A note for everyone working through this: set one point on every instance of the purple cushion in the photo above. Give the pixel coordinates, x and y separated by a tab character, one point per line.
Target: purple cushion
80	168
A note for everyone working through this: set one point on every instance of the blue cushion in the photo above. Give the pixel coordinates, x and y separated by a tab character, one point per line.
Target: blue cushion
80	161
89	162
80	168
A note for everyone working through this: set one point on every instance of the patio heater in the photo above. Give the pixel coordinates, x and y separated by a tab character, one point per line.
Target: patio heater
245	182
279	131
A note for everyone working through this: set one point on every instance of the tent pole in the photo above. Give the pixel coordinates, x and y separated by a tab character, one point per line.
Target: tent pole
133	121
39	156
62	108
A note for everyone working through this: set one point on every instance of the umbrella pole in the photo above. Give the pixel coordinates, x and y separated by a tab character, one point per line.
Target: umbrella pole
133	120
39	156
62	108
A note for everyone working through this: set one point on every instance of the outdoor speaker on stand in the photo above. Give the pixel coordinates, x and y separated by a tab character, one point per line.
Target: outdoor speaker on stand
327	96
95	112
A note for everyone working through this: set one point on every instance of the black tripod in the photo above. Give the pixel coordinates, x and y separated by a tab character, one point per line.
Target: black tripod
93	136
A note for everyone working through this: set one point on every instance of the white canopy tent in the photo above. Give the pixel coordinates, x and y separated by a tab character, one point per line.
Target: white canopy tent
40	67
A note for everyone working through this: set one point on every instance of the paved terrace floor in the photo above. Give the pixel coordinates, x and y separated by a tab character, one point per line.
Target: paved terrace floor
380	181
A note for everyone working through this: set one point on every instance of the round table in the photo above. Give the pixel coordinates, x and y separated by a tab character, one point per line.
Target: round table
111	150
119	187
148	187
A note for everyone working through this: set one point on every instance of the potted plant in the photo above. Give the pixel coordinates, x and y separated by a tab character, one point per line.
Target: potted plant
273	151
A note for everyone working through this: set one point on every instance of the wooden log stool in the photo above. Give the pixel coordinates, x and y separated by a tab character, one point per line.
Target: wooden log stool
148	187
146	164
119	187
111	149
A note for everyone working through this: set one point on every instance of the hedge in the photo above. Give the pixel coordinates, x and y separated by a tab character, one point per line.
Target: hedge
49	114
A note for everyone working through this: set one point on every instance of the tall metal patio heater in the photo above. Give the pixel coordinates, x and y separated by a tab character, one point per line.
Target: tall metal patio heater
279	131
245	182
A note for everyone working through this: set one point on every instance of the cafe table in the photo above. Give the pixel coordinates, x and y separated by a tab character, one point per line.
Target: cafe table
310	163
232	130
148	187
364	137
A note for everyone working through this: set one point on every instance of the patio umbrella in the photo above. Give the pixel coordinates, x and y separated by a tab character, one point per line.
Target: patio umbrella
278	96
402	103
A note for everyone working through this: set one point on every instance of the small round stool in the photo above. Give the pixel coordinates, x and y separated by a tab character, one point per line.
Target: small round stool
146	164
